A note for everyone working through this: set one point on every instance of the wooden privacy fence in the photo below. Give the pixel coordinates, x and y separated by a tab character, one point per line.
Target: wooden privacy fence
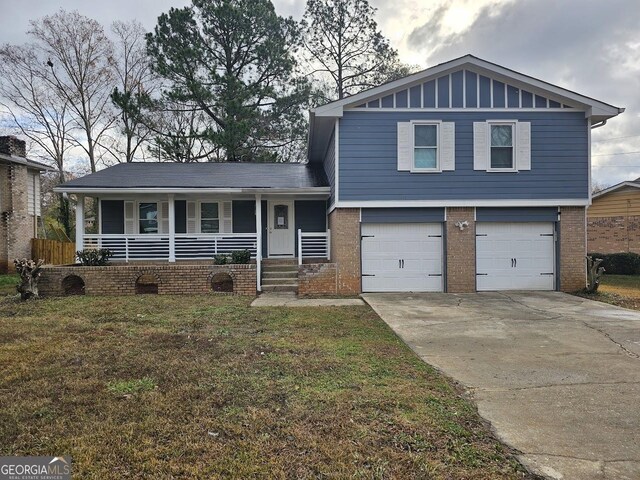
53	252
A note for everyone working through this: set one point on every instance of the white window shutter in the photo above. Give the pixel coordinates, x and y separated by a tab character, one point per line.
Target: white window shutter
227	217
448	146
129	218
405	149
191	217
163	221
480	145
30	195
36	180
523	146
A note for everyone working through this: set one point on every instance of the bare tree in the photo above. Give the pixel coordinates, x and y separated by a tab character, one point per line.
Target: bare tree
135	86
33	108
346	47
80	60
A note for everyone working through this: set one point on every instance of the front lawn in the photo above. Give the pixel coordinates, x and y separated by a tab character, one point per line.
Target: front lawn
205	386
8	284
621	290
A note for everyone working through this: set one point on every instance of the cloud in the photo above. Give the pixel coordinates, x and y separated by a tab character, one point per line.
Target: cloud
589	47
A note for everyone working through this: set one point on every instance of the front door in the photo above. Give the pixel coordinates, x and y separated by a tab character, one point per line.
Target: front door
281	228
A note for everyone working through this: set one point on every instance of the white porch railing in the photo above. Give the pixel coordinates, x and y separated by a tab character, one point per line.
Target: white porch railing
313	245
192	246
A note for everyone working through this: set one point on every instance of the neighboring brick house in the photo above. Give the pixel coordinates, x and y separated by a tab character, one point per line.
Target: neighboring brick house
464	177
19	201
613	219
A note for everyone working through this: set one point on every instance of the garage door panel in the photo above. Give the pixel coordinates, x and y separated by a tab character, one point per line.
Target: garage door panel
385	245
532	245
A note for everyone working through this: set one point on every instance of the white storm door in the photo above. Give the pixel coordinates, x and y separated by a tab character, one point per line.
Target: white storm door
515	256
402	257
281	229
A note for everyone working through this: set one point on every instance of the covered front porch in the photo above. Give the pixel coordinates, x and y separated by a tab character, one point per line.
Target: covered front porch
177	227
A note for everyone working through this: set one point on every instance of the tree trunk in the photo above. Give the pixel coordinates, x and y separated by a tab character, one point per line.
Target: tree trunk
594	271
29	272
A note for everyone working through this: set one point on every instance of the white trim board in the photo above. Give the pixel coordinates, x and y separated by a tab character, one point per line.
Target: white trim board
134	191
564	202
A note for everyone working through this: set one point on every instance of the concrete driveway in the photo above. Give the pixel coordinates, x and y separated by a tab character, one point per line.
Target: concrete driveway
557	376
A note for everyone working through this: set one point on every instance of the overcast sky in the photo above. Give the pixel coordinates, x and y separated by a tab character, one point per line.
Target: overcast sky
590	46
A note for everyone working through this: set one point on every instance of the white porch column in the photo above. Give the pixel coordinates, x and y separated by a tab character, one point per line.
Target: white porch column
258	242
80	222
172	228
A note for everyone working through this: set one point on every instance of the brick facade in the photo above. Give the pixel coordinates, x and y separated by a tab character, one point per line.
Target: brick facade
317	279
461	251
573	248
17	226
613	234
345	248
171	279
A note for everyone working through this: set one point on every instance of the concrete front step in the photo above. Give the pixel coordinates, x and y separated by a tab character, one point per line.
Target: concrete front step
280	268
280	274
280	281
280	288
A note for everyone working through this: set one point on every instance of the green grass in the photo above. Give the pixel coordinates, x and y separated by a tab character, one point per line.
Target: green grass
621	290
207	387
8	284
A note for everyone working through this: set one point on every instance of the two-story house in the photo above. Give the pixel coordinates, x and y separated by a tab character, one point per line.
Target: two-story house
464	177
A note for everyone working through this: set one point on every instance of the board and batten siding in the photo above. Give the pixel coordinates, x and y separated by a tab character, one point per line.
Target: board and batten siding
621	203
368	159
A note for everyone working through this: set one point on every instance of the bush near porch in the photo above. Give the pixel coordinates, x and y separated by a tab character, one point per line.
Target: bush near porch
207	387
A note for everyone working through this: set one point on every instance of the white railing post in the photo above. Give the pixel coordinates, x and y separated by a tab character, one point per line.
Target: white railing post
80	222
299	246
258	242
172	229
126	249
328	244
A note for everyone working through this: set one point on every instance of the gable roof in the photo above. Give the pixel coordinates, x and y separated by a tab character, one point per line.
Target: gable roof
631	183
596	108
209	176
4	158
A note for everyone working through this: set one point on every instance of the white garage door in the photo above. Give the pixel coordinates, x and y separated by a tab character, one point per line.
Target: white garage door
515	256
401	257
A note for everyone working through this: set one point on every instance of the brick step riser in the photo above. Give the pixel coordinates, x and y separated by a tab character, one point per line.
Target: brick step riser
284	274
279	281
280	288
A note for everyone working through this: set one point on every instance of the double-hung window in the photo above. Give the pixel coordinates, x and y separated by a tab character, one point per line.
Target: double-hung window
148	215
209	217
425	147
502	146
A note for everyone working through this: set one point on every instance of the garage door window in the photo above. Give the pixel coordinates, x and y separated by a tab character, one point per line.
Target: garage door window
502	147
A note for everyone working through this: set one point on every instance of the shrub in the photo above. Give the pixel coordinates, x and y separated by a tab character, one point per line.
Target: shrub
619	263
241	256
94	257
220	259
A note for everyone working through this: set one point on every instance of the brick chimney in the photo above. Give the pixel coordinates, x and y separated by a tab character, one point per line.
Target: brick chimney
10	145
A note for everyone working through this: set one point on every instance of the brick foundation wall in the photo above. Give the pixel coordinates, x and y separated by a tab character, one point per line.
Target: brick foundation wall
461	251
171	279
613	234
16	225
317	279
572	248
345	249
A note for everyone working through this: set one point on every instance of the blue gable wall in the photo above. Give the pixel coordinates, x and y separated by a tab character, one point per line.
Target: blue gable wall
329	163
368	159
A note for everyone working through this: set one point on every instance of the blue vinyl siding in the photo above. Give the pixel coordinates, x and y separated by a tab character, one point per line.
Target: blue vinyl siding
310	216
513	97
368	159
485	92
471	84
401	99
429	92
415	98
402	215
498	94
457	88
540	214
244	216
443	92
181	216
329	164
